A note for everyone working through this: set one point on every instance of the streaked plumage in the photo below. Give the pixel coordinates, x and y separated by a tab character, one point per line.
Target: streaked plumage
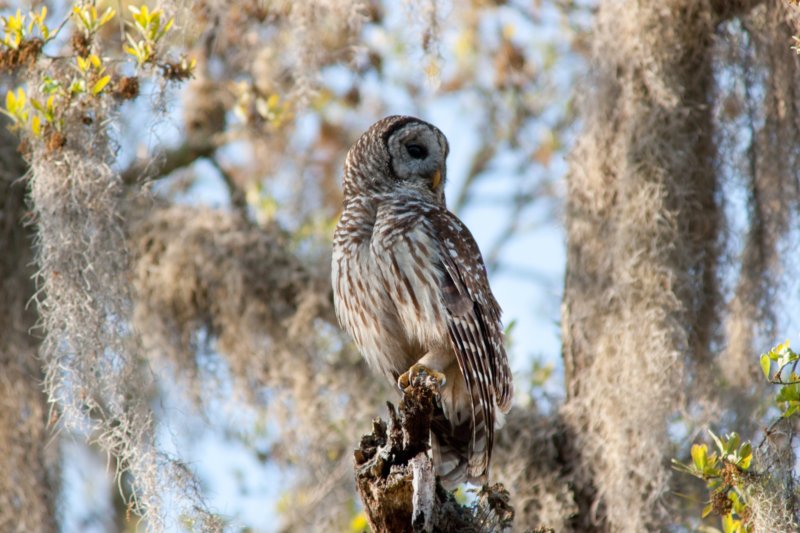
410	286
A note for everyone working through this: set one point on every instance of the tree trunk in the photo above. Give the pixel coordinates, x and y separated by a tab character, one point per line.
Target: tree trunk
28	451
642	228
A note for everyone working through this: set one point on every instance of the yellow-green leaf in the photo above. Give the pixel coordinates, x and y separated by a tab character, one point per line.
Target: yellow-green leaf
14	24
108	15
77	86
36	126
359	523
11	101
79	12
782	347
746	454
100	84
765	365
699	452
727	523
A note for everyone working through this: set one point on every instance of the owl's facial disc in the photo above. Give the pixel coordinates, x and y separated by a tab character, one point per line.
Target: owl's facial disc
418	152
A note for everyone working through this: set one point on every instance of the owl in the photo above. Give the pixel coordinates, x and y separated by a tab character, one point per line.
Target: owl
410	287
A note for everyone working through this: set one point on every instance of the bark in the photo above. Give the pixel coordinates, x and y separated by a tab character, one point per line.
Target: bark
28	451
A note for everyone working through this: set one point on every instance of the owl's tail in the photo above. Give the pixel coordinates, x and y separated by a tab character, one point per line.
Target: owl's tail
461	443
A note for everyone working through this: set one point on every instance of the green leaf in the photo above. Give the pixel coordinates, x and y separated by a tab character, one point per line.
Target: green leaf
11	102
77	87
359	523
729	524
699	456
789	393
793	409
100	84
82	16
765	365
49	85
717	441
510	327
746	454
108	15
707	510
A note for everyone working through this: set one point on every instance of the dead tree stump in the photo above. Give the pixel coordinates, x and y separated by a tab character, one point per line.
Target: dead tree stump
396	479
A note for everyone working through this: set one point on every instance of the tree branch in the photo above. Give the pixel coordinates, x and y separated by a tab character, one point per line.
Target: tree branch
396	480
166	162
238	198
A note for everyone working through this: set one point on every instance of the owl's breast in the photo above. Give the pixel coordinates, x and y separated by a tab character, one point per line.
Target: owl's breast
386	292
365	309
406	253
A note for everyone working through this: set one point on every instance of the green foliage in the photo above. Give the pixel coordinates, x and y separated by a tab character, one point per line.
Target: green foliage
150	26
16	108
89	18
359	523
16	31
92	79
40	109
785	375
727	470
724	471
541	373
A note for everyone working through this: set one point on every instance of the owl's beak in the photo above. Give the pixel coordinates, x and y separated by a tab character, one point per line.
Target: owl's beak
436	179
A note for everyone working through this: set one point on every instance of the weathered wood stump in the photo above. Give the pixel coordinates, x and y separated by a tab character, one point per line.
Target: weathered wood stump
396	479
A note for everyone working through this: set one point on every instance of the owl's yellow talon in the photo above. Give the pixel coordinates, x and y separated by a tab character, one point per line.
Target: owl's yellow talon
405	380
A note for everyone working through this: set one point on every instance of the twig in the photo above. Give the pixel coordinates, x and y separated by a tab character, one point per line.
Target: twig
238	198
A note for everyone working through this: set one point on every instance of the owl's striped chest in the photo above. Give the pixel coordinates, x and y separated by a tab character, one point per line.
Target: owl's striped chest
406	252
387	288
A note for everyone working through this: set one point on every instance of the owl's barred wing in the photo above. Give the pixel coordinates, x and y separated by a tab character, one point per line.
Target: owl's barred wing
474	328
469	298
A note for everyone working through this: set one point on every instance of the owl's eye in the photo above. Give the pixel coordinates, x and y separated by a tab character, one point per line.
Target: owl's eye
417	151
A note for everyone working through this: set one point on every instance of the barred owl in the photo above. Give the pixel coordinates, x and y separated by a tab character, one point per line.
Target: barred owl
410	288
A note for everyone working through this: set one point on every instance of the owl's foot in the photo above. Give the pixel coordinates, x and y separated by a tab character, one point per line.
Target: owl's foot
417	369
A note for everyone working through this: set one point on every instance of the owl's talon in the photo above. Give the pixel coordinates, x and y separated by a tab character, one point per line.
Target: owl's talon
405	380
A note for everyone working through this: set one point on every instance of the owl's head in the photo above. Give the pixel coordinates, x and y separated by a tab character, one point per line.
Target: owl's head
396	154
